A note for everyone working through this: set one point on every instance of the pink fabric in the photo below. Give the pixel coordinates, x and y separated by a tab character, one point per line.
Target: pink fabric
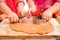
58	0
45	3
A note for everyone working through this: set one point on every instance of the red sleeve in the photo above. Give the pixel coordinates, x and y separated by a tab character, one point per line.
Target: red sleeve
2	1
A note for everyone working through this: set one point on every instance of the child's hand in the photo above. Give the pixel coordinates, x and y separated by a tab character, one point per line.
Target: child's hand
22	13
21	10
13	17
32	9
47	16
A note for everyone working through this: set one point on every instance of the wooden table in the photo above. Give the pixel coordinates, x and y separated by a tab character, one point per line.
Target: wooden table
7	32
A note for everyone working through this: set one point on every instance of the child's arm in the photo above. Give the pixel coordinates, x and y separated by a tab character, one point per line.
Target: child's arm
48	13
32	6
21	10
11	15
30	3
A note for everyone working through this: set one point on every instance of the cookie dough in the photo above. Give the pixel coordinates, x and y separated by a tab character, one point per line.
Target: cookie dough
33	28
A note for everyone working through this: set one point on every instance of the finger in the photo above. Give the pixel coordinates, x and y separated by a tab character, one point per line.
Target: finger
47	18
24	14
33	10
50	17
9	18
28	16
12	19
16	20
43	16
30	11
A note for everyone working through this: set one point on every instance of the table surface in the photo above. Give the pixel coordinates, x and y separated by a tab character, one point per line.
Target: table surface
7	32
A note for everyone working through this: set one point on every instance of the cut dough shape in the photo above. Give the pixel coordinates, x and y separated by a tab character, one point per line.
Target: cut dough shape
33	28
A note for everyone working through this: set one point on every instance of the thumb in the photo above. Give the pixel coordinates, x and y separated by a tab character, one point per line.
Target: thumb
33	10
30	10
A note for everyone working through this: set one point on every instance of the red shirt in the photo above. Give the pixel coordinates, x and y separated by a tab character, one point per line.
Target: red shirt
12	4
45	3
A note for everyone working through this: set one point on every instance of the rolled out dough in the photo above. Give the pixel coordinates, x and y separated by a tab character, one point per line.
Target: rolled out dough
32	28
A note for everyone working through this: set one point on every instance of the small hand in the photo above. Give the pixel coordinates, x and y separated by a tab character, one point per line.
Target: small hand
32	9
47	16
13	17
22	13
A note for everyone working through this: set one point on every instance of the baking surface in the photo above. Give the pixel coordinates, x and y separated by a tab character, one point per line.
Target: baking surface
31	28
5	30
